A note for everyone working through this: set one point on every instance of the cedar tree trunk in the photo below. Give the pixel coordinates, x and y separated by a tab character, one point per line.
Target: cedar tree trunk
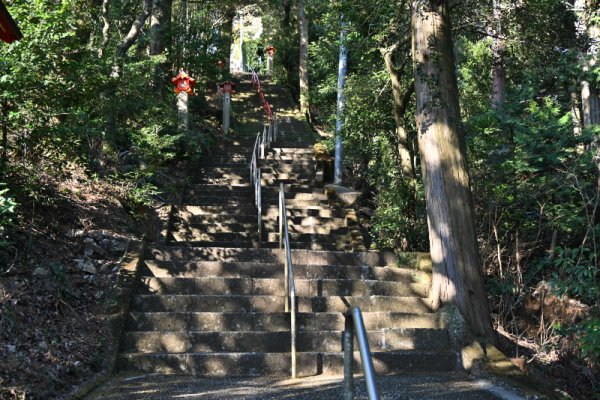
457	276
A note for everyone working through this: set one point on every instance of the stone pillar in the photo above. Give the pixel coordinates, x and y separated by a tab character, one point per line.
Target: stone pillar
182	111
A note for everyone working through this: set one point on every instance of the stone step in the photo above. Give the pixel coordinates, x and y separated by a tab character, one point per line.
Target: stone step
333	236
271	322
267	176
278	342
278	150
273	287
274	270
248	201
287	167
193	230
277	180
203	215
267	194
278	364
233	237
271	210
371	258
258	303
240	180
342	244
291	192
286	157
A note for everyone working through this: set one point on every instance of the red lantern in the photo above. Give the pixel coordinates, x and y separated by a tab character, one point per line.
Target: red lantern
227	87
184	83
270	50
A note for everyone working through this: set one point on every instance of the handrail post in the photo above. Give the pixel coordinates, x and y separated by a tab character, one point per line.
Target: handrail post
259	200
281	210
293	332
270	134
354	319
348	343
286	284
262	145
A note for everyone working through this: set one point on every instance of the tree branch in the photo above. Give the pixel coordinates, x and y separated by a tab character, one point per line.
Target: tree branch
135	29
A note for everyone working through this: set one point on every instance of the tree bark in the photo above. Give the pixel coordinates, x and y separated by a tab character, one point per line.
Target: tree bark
228	35
287	13
135	29
303	64
588	30
105	27
400	103
457	275
498	49
117	68
160	25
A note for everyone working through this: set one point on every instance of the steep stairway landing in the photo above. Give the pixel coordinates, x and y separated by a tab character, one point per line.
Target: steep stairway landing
219	312
210	302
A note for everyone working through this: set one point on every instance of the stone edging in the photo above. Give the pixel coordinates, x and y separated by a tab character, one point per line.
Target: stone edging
129	268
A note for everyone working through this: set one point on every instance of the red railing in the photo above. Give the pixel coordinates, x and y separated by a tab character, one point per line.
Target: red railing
256	84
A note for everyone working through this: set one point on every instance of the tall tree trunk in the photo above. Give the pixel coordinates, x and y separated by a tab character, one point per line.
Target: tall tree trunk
303	65
287	13
160	35
498	49
105	27
228	35
160	26
588	29
400	103
117	68
135	29
457	275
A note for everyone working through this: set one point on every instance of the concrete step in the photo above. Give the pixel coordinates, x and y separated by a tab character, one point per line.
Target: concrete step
242	179
348	245
192	231
209	214
287	167
248	200
259	303
288	157
271	322
340	235
278	364
274	270
286	176
196	236
273	287
278	342
286	180
366	259
269	210
286	150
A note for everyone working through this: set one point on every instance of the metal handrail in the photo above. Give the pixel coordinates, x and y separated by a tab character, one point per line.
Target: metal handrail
255	178
354	324
290	287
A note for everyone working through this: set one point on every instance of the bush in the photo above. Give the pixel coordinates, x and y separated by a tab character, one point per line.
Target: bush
7	209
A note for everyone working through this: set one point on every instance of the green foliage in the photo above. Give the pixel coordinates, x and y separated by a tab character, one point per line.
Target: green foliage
250	50
587	337
576	274
140	194
7	210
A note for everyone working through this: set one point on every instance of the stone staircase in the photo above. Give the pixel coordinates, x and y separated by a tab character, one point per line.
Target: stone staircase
210	300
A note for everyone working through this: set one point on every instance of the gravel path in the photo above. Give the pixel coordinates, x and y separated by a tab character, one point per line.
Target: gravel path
451	386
